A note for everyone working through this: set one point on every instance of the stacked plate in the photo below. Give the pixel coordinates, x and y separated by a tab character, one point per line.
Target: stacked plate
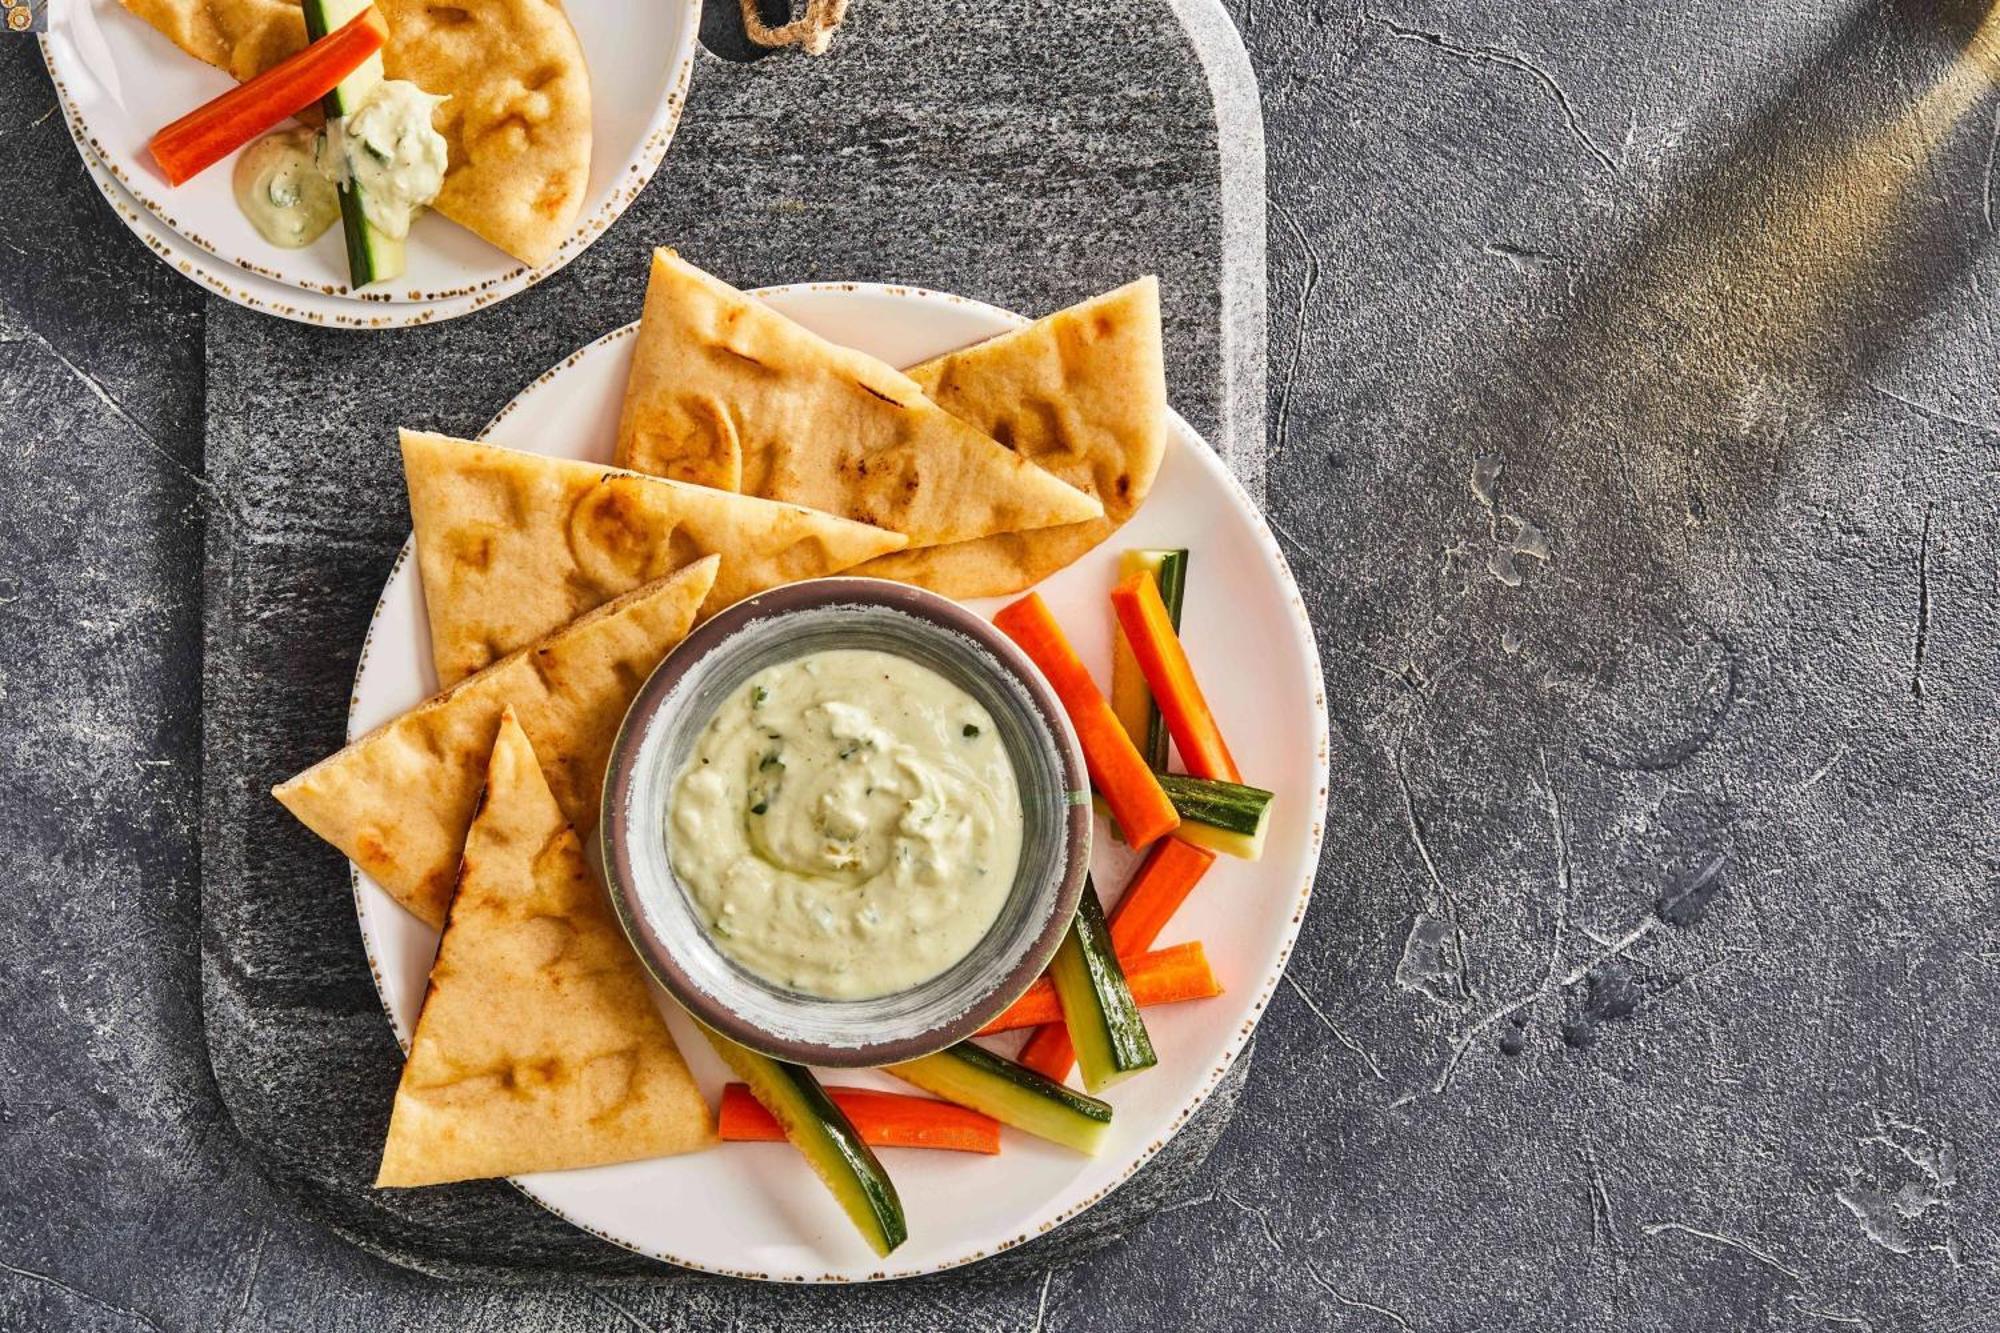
119	81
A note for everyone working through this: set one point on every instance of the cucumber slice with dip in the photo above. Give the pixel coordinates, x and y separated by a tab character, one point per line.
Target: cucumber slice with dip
825	1138
1097	1004
1013	1094
372	254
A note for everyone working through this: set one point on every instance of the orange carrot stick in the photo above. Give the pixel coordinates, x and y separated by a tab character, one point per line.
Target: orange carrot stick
1163	883
1163	976
1166	877
214	130
883	1119
1163	661
1116	768
1050	1052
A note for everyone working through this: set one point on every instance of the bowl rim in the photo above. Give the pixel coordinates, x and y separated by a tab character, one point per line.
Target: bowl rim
659	957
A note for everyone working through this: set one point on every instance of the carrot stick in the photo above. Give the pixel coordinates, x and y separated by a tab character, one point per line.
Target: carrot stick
1050	1052
214	130
1169	872
1117	769
1143	617
1166	877
883	1119
1163	976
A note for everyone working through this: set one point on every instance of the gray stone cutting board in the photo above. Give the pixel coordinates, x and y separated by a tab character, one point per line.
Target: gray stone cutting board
1010	152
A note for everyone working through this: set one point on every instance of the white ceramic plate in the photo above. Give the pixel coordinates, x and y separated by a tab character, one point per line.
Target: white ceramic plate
119	81
755	1210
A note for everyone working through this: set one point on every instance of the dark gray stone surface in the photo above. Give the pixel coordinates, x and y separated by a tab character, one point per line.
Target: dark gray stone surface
1646	983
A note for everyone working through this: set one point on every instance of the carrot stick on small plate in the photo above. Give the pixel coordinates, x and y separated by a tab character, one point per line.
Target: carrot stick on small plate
214	130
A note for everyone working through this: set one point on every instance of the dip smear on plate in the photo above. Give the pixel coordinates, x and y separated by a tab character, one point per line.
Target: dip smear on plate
848	824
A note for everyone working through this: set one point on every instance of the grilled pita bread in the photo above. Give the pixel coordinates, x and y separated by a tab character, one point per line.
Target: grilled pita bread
539	1047
512	545
517	122
398	800
517	118
726	392
1081	394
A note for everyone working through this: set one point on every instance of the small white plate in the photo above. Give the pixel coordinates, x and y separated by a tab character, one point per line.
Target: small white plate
119	81
756	1210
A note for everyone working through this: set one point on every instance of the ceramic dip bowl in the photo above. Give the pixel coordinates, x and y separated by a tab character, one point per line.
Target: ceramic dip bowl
667	719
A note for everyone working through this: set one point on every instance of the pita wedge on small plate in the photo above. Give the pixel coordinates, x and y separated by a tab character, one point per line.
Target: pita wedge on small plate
517	119
1081	394
539	1047
398	800
511	545
726	392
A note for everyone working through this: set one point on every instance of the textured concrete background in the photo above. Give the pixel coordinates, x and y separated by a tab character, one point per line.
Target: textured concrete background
1644	987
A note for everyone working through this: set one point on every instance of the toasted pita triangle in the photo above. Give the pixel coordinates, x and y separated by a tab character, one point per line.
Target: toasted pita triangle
726	392
512	545
1083	395
516	117
398	800
539	1047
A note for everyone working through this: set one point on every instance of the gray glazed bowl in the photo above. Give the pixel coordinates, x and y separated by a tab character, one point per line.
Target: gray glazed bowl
667	718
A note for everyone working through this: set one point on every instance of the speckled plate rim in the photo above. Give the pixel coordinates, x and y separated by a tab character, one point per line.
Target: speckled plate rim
1183	436
319	303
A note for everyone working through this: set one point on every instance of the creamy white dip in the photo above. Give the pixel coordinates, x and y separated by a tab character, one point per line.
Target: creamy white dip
848	824
280	188
389	148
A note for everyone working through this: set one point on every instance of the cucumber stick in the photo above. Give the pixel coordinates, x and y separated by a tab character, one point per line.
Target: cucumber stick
1013	1094
372	255
1097	1005
1221	840
1131	698
825	1138
1225	817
